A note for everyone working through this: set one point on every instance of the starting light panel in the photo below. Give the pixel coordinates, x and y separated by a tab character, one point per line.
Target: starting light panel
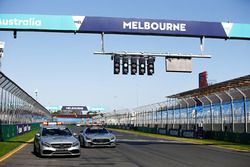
150	65
133	65
125	65
142	66
116	64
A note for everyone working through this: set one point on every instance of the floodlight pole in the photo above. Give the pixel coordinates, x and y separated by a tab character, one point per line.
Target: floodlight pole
36	92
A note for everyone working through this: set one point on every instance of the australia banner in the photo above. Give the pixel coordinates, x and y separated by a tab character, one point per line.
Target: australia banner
133	26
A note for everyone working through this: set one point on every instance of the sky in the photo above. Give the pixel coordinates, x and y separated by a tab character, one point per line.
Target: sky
64	70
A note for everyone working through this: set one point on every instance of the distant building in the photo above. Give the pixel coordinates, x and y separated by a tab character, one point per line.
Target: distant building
76	110
203	79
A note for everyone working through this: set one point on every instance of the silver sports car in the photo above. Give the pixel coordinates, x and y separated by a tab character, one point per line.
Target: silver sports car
56	141
97	137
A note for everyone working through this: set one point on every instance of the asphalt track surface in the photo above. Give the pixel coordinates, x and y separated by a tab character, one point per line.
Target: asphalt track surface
137	151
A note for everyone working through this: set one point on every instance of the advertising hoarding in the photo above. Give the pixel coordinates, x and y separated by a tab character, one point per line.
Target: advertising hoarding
112	25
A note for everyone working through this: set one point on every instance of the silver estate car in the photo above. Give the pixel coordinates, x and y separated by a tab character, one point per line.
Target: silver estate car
56	141
97	137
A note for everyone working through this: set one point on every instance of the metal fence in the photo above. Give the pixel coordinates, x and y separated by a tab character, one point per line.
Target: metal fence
221	111
17	106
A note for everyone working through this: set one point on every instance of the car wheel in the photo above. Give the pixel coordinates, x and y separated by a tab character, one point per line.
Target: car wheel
81	142
34	149
39	152
85	144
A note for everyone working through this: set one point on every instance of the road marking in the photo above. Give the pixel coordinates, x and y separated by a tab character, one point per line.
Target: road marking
14	151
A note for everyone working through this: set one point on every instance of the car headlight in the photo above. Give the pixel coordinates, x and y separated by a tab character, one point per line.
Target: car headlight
46	144
113	138
75	144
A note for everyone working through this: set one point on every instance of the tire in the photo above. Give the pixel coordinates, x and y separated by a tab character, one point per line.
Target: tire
34	149
85	144
39	152
81	142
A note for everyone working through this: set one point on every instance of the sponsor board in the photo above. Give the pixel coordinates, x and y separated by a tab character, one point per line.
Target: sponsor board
73	108
174	132
22	128
162	131
188	133
112	25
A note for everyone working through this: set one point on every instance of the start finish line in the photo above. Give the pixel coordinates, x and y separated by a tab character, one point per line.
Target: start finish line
132	26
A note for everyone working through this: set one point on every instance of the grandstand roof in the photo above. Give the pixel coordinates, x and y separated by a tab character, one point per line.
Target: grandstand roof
218	87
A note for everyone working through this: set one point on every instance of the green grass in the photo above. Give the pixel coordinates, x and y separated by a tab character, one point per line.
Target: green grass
210	142
70	125
14	142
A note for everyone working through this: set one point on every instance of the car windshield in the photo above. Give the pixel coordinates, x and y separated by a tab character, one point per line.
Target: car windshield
56	132
91	131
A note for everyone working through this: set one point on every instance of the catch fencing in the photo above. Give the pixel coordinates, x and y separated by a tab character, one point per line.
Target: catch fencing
17	106
225	111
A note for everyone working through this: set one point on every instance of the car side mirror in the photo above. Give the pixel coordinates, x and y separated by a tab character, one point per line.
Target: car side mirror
38	135
110	131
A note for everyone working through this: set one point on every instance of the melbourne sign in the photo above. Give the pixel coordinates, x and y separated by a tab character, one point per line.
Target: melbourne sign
133	26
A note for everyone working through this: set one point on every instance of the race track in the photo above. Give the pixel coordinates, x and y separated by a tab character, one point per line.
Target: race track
137	151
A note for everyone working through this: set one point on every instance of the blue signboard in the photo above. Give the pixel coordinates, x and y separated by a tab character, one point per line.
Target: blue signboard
111	25
22	128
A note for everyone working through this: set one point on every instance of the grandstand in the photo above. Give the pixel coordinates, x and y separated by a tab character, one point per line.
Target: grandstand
221	107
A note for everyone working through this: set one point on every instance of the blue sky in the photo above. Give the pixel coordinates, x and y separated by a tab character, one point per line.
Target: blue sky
64	70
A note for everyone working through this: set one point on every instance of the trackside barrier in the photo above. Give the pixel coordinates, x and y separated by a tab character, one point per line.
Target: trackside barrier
243	138
224	111
141	129
174	132
162	131
188	133
146	129
9	131
22	128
